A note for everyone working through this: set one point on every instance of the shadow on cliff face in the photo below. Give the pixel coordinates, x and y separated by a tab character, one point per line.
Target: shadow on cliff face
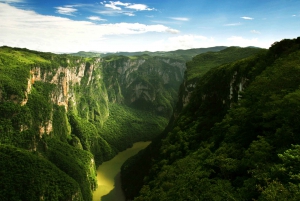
117	193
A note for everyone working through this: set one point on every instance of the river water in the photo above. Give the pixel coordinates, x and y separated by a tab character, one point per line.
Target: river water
108	175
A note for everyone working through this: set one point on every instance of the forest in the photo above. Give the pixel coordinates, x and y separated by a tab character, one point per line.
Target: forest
223	123
237	138
72	113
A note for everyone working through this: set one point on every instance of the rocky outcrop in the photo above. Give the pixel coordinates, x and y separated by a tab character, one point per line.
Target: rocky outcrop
63	78
143	81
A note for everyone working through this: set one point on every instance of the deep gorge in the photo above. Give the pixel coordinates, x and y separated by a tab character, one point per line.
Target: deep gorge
75	113
64	115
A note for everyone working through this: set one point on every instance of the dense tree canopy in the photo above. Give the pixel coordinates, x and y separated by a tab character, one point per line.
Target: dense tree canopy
237	139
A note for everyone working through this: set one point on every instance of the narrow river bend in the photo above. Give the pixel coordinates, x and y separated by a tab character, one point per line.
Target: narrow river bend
108	175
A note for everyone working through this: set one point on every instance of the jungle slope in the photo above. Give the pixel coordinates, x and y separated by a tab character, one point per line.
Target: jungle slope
237	137
71	113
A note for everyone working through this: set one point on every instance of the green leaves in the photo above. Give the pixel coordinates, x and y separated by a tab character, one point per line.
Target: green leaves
36	178
230	145
126	125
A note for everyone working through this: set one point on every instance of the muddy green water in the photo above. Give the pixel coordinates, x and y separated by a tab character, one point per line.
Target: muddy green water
108	175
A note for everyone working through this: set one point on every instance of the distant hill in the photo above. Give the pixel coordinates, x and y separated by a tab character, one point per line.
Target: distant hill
86	54
184	55
205	61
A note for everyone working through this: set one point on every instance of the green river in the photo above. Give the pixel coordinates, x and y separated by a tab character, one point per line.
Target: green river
108	175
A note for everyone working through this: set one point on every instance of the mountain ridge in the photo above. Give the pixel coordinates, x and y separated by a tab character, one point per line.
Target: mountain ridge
236	138
74	112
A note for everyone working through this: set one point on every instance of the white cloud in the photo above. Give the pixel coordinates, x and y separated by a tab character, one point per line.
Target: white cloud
181	42
247	18
96	18
180	18
139	7
109	12
172	31
112	6
196	41
233	24
67	10
136	28
129	14
118	5
242	42
28	29
255	32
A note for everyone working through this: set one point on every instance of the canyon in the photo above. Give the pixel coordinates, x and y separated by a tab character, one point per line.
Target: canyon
207	113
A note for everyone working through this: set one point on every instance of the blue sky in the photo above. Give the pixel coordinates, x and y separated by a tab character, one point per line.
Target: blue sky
139	25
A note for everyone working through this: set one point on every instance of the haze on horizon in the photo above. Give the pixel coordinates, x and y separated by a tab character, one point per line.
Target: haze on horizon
145	25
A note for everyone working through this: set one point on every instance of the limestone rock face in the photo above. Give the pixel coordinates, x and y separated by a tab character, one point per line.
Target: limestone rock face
57	107
86	87
145	82
64	78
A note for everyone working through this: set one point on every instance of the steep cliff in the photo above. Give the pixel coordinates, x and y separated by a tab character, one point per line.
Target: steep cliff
144	82
235	139
202	63
36	94
74	113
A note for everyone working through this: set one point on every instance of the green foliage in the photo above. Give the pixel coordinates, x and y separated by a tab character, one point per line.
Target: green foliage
61	128
27	176
25	127
233	141
89	139
30	120
39	104
91	96
20	125
204	62
126	125
182	55
86	54
14	68
143	82
77	163
84	130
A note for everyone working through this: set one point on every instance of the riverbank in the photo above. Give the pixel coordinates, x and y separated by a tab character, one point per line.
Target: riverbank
108	175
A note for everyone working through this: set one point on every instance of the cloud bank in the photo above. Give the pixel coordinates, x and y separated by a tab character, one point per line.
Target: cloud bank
51	33
117	5
96	18
186	41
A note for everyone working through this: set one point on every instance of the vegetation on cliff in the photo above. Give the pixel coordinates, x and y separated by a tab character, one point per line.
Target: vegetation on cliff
237	138
143	82
33	128
71	113
202	63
